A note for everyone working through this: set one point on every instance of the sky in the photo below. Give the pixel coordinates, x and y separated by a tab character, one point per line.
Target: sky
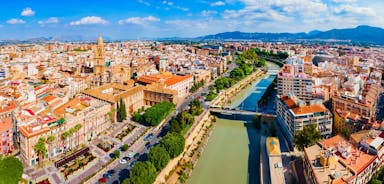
138	19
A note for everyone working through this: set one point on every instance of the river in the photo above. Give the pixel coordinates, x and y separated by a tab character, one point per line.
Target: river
232	152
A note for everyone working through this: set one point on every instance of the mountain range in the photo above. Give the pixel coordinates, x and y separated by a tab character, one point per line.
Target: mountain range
361	34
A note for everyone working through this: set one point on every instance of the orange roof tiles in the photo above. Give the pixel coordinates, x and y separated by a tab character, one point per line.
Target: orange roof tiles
309	109
169	79
358	160
289	101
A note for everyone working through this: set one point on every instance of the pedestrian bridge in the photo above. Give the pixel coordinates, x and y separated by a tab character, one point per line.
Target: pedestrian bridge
227	111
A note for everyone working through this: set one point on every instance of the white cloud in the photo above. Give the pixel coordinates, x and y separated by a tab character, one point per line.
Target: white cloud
206	13
144	2
27	12
218	3
51	20
363	11
15	21
88	20
139	20
182	8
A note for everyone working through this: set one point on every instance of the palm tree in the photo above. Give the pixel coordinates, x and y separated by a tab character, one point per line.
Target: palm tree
71	132
41	150
50	140
77	128
64	137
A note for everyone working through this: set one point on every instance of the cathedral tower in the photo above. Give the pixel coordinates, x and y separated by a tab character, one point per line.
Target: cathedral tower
99	58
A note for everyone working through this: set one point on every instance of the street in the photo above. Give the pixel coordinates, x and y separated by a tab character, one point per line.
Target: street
140	148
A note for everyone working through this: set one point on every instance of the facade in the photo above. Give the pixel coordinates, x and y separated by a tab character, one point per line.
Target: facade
293	114
156	92
6	134
364	109
291	80
181	84
89	113
335	160
346	121
112	93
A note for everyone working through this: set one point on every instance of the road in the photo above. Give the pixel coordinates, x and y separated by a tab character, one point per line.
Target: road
142	147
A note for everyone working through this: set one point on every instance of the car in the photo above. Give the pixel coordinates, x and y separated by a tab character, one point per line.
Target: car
149	136
112	171
123	161
147	145
107	175
127	158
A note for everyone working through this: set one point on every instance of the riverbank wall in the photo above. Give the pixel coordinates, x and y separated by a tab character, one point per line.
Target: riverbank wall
227	94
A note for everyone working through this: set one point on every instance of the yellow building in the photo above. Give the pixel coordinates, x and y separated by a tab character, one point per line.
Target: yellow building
112	93
273	146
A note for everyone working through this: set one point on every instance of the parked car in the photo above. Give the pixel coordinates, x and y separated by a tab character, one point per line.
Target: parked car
123	161
149	136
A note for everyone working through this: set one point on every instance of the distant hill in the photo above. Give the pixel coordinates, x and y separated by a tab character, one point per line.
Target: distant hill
360	34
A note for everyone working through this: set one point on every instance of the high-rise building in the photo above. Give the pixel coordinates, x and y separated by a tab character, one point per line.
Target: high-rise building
293	81
293	114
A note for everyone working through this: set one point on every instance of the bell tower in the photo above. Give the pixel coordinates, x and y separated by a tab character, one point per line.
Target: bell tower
99	58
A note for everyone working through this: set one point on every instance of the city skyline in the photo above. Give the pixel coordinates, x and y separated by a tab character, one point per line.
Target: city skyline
153	19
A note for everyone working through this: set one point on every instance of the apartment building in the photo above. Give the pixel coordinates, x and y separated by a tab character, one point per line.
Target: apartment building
6	136
88	113
291	80
293	114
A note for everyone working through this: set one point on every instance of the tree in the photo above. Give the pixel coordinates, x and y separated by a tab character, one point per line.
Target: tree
77	129
174	144
306	137
237	74
123	110
186	118
142	173
64	137
175	126
257	122
11	170
195	107
125	147
116	154
50	140
159	157
41	150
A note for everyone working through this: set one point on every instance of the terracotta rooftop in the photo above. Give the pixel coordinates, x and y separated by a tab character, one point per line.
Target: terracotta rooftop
309	109
112	92
358	160
169	79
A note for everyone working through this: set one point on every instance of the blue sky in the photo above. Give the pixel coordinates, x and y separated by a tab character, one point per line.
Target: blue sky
135	19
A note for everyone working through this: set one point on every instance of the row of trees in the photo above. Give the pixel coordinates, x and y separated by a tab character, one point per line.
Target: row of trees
11	170
155	114
41	148
196	86
278	55
171	146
